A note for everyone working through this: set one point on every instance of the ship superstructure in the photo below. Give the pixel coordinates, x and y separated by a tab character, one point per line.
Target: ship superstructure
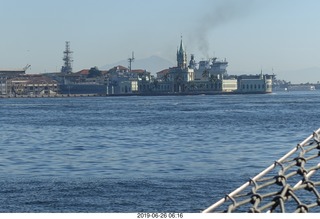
208	68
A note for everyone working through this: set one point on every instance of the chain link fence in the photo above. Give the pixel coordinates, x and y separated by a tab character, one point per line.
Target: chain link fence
290	184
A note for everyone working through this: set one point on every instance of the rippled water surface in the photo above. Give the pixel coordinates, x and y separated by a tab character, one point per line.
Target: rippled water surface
133	154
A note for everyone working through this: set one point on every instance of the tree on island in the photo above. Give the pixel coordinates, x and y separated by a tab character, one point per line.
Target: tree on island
165	77
213	79
205	74
94	73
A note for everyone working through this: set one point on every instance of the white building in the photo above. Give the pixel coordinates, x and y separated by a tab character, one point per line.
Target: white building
31	85
5	75
229	85
255	83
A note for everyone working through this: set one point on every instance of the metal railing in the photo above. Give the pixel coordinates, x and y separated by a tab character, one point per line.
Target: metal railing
271	191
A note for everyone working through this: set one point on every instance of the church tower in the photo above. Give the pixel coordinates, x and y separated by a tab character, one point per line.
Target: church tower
181	56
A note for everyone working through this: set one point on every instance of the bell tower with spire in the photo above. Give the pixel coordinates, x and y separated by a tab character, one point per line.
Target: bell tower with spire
181	56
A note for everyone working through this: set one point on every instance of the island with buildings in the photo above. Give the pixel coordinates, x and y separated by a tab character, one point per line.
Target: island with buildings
186	78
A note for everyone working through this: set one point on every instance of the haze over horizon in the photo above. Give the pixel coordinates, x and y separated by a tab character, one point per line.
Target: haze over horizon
251	34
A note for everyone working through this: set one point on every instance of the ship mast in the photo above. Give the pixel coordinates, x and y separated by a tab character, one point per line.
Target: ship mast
67	68
130	60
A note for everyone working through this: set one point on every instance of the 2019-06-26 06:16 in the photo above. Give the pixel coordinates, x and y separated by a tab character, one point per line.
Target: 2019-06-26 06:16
160	215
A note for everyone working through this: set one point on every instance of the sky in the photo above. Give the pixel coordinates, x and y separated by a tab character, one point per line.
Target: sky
279	36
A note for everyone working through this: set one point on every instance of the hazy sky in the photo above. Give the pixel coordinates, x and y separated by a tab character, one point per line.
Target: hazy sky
283	35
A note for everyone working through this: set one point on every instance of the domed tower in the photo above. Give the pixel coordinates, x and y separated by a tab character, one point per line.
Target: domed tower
182	56
192	63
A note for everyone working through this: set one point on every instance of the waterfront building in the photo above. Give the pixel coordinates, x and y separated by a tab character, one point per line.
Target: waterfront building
123	81
217	85
176	78
31	85
117	80
144	80
6	74
207	76
255	83
163	75
229	85
162	86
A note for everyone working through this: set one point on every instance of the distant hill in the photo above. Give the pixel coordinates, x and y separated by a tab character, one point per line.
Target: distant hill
152	64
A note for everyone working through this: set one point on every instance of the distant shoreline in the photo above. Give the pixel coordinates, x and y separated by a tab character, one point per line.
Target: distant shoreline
131	94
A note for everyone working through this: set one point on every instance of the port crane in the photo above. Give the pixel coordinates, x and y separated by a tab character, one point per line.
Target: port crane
26	67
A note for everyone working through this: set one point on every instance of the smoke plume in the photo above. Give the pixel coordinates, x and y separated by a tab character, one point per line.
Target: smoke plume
220	13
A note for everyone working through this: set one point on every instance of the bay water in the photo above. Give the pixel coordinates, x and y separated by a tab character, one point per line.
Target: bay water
143	154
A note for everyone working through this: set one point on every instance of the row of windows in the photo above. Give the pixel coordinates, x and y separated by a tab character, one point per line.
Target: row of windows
126	89
253	87
165	87
207	86
36	88
199	86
